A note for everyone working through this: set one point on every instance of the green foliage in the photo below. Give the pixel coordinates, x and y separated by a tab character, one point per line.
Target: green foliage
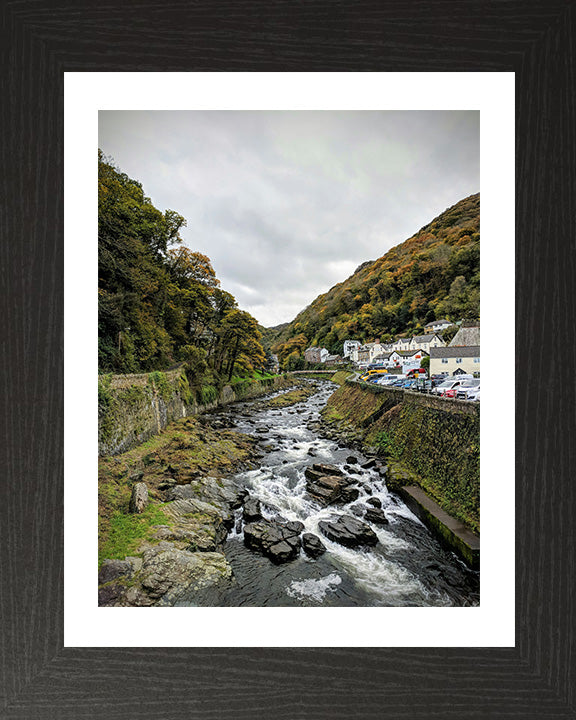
449	333
434	274
159	301
160	384
207	394
425	362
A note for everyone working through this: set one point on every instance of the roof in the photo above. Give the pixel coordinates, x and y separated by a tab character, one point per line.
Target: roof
437	322
466	336
453	352
409	353
423	338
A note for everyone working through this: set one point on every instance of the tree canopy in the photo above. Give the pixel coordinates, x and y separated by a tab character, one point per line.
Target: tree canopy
159	302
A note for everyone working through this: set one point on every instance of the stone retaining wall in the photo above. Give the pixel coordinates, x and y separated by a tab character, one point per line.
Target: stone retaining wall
433	441
133	408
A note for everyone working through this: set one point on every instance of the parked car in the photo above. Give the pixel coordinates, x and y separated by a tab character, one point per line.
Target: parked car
417	372
466	387
474	394
446	385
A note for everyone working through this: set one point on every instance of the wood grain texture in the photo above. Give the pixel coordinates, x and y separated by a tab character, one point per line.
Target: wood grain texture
39	41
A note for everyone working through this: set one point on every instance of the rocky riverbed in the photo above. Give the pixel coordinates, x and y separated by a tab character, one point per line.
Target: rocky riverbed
252	505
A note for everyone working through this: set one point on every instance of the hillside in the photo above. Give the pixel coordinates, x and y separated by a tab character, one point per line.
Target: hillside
433	274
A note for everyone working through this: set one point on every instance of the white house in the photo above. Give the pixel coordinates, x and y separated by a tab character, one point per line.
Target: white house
437	325
349	345
465	358
425	342
401	357
402	344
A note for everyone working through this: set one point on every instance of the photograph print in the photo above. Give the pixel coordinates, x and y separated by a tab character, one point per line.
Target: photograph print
288	358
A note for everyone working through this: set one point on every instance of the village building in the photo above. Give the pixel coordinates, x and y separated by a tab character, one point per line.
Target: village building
403	358
334	360
437	325
402	344
455	360
349	345
467	336
315	354
425	342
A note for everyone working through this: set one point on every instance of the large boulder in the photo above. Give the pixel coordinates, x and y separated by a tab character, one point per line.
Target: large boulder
197	525
348	531
376	515
114	569
252	510
167	572
278	541
312	545
329	489
161	576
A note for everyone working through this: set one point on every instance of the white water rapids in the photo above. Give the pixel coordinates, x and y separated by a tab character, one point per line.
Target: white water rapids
407	567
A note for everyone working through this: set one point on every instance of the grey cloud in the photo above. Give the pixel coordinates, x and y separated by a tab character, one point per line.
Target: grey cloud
285	202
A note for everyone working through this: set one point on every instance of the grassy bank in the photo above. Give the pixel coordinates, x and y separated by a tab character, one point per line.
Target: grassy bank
185	451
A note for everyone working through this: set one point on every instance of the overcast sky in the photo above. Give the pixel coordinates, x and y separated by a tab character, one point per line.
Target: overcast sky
287	204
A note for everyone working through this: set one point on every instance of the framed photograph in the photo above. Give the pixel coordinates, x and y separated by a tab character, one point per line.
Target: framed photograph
240	168
65	656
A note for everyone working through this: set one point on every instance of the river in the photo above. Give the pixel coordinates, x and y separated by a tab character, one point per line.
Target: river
408	566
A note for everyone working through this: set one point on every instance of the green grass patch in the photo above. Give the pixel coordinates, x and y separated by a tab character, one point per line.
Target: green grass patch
122	534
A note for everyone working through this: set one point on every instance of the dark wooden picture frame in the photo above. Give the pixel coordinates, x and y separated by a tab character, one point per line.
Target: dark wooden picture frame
39	678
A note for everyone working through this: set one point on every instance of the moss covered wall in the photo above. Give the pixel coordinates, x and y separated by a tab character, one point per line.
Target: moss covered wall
133	408
436	440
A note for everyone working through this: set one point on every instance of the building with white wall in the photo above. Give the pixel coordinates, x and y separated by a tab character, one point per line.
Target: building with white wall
465	358
349	345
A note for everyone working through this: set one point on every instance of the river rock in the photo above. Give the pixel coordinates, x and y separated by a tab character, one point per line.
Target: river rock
312	545
252	510
326	469
279	542
358	509
167	572
329	489
368	464
376	502
376	515
352	460
199	526
113	569
348	531
139	499
109	594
